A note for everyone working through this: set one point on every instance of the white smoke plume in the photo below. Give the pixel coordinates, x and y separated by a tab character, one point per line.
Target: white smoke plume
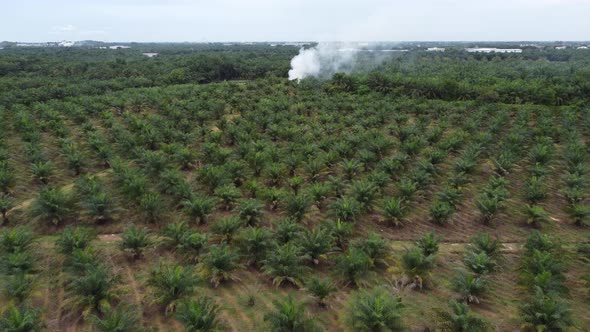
323	60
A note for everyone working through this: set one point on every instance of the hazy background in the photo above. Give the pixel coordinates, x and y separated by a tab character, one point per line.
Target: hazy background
276	20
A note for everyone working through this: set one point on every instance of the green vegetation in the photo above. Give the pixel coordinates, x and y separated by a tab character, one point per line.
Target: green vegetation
201	190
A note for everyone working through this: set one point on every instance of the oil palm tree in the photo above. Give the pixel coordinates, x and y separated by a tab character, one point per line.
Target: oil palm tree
53	205
21	319
316	244
320	289
469	286
200	315
289	315
134	240
354	265
254	243
171	284
460	319
6	203
220	264
544	312
198	208
285	264
375	310
92	291
119	319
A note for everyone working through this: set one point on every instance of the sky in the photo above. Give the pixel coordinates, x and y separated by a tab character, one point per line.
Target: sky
293	20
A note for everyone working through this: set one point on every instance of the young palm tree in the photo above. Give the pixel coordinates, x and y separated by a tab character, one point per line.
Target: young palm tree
394	211
415	264
226	228
228	195
287	230
318	193
199	315
151	207
579	214
535	189
354	264
198	208
479	263
92	291
19	287
341	232
469	286
346	209
135	240
99	205
536	215
53	205
290	315
316	244
7	179
375	310
320	289
250	212
254	243
72	238
171	283
376	247
407	189
364	192
429	244
220	264
441	211
42	171
461	319
173	234
16	239
119	319
488	206
483	242
6	203
544	312
21	319
285	264
297	206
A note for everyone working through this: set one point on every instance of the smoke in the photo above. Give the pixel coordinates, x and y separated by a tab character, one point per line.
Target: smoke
323	60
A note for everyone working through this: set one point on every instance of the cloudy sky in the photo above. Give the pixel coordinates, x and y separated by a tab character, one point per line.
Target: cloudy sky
293	20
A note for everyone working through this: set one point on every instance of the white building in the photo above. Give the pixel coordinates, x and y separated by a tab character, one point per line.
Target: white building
435	49
493	50
150	55
118	47
582	47
560	47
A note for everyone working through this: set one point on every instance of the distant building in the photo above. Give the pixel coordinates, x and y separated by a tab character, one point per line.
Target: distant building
118	47
582	47
560	47
435	49
493	50
150	55
65	44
